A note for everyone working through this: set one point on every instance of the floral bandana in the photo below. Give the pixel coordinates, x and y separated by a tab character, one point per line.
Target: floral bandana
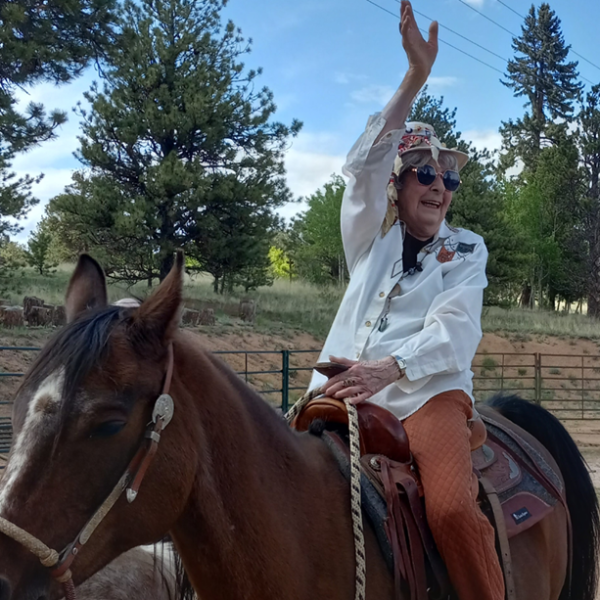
416	136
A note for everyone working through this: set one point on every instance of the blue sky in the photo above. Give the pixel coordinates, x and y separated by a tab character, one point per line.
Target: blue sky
331	63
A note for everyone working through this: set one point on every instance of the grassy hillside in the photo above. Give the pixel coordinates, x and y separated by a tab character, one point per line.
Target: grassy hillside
298	306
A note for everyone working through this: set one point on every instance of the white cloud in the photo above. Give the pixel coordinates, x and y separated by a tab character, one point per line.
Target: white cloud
437	83
310	163
344	78
484	138
373	94
476	3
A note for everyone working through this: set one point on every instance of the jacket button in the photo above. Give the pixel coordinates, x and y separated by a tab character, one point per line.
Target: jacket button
381	294
368	323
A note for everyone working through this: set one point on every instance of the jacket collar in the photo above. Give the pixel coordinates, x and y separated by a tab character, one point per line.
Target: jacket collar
444	232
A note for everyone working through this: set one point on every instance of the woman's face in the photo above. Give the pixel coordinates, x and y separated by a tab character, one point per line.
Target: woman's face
423	207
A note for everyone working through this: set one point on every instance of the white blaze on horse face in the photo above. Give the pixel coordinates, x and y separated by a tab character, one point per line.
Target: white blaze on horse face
49	392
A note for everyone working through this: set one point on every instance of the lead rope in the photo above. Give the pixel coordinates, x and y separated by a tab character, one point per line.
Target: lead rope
355	499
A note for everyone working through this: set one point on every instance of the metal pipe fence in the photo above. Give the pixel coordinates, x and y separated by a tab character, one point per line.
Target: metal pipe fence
567	385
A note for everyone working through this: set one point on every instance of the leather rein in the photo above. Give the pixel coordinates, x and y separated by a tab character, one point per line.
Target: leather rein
131	480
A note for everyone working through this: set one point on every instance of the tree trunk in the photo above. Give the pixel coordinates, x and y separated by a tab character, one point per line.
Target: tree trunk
526	296
216	285
166	264
594	280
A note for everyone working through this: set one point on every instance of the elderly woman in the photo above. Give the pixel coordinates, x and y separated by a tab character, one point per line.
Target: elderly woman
409	324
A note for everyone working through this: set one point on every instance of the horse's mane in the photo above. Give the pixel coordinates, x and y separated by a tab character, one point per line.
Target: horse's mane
75	350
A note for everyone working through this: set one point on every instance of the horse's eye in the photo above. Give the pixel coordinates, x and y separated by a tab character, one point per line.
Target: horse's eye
107	429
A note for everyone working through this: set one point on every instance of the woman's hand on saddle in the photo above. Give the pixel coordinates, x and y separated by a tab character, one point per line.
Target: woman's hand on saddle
421	54
362	379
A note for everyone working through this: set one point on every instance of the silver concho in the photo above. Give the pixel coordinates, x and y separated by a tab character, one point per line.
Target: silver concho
163	409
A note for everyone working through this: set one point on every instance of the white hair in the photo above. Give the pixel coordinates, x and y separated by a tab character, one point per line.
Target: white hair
416	159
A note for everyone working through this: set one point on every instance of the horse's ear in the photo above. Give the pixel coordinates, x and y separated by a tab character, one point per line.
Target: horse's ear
158	317
87	288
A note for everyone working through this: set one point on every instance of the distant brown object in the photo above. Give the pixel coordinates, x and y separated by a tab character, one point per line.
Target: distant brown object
59	316
40	316
190	316
207	317
12	316
247	310
29	303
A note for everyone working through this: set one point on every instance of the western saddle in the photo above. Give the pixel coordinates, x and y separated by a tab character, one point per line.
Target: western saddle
515	480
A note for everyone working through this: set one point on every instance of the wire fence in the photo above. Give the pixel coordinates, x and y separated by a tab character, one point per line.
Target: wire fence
567	385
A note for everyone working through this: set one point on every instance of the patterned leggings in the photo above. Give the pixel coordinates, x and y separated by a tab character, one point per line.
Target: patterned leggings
439	440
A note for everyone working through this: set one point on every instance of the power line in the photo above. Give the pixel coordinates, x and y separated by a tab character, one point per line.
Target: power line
460	35
455	47
488	18
443	41
515	35
511	9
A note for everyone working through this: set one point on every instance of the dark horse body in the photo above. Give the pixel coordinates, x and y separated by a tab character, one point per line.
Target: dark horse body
256	511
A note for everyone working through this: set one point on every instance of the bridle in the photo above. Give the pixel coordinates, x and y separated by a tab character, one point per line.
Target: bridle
131	480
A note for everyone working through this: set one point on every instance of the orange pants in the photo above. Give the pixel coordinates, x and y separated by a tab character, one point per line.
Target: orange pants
439	440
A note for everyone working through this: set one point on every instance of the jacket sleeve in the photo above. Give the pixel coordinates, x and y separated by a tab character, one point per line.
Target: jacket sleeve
452	329
368	168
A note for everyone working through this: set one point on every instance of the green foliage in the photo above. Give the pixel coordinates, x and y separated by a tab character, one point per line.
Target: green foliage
39	248
541	73
318	252
49	41
479	203
182	149
282	266
12	255
589	148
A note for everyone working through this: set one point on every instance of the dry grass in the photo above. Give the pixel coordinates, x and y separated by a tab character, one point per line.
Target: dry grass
300	306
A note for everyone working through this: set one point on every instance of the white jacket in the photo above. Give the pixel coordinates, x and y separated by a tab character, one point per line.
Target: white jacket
434	323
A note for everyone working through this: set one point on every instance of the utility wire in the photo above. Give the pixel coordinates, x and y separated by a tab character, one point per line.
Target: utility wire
460	35
511	9
515	35
573	51
488	18
443	41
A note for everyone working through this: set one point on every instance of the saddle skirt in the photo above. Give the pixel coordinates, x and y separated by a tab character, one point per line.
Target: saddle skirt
517	478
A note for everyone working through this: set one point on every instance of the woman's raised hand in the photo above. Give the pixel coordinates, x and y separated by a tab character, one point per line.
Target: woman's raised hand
421	54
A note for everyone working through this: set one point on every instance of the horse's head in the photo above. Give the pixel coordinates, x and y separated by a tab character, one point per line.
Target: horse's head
80	418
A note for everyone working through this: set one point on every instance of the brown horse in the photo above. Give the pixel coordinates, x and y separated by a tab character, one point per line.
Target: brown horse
256	511
138	574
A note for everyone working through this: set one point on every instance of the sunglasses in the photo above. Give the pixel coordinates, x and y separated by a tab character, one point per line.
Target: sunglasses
426	175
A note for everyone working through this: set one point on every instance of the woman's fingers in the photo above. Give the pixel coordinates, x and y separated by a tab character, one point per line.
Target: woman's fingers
433	33
350	392
360	398
339	386
342	361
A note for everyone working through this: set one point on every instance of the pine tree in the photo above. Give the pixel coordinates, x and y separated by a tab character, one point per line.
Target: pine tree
589	144
478	204
39	249
541	73
53	41
179	139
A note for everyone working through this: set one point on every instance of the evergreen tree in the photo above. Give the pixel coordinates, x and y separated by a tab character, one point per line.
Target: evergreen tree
541	73
39	249
589	142
182	146
40	41
478	204
547	209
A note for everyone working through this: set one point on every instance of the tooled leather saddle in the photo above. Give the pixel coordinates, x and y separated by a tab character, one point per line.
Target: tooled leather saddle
516	481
